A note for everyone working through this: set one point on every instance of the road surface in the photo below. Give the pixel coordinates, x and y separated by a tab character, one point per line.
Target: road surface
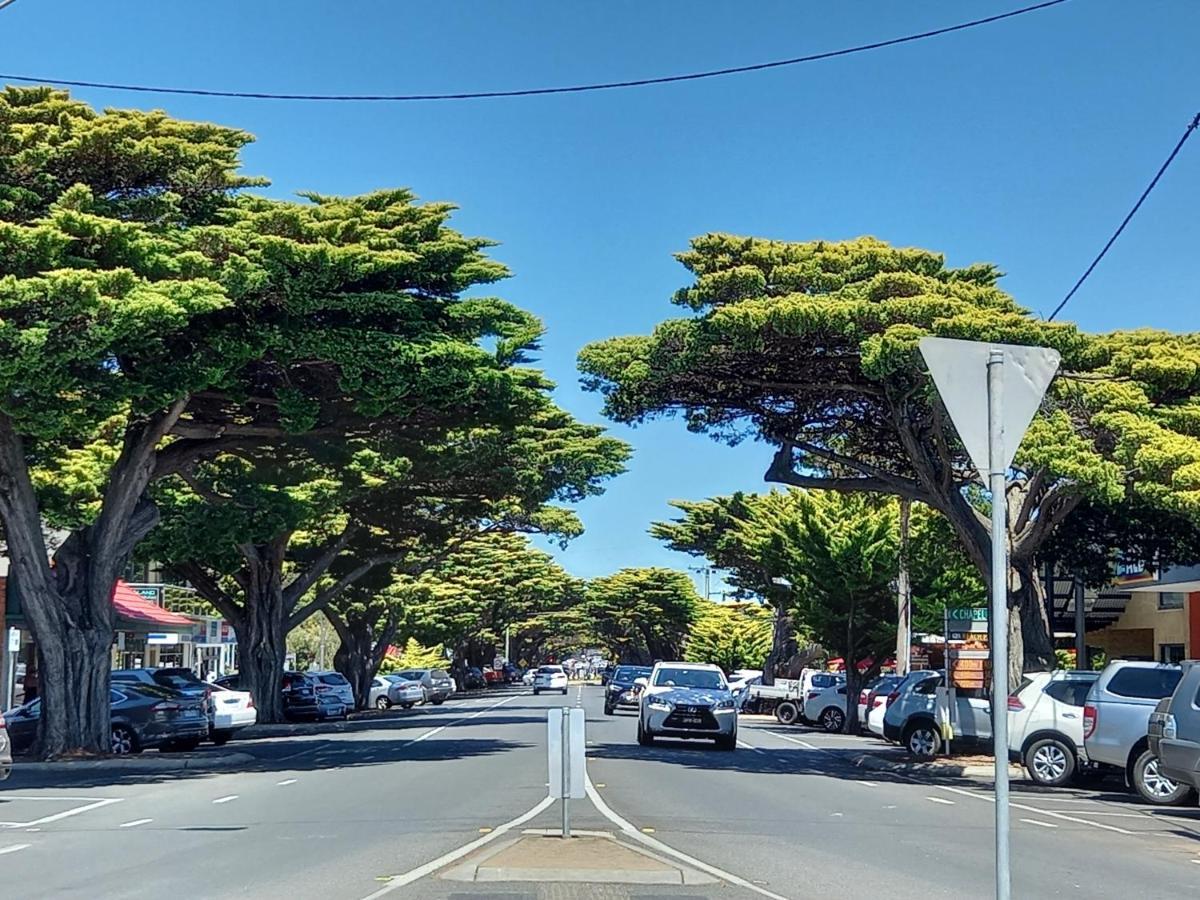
369	811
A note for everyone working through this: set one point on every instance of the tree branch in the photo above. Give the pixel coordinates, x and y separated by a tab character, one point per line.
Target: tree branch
208	588
781	471
331	593
300	585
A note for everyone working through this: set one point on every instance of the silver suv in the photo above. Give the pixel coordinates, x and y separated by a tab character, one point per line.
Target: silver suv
1115	721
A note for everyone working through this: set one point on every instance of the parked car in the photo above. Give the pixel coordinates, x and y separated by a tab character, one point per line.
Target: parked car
437	684
5	751
474	679
621	690
529	676
827	707
910	718
1116	722
1045	725
493	677
179	679
879	705
337	684
687	700
866	697
392	690
142	716
789	695
1174	729
229	711
299	693
511	673
549	678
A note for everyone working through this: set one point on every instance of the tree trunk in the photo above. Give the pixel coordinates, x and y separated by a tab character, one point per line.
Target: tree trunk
361	650
1032	630
783	643
262	629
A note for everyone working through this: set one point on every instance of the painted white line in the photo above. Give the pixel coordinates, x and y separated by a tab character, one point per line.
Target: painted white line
313	749
1036	822
749	747
868	783
429	734
805	744
1116	815
940	800
13	848
631	832
226	798
399	881
54	799
135	823
1042	812
286	781
45	820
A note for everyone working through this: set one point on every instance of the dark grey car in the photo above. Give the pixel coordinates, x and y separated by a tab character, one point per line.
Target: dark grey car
436	682
1174	730
143	716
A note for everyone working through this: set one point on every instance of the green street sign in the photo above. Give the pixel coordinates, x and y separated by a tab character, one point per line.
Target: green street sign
967	614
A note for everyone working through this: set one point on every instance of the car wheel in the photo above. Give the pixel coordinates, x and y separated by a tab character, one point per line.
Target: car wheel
407	705
787	713
645	736
124	741
727	742
536	692
922	739
832	719
1155	787
1050	762
382	703
220	738
564	692
608	710
438	701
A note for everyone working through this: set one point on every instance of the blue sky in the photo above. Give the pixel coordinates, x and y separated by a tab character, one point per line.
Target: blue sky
1021	143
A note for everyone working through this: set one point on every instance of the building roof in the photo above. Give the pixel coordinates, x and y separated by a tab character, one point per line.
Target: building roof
135	612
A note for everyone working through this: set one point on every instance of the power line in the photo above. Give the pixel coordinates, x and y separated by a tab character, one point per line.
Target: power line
4	3
531	92
1187	133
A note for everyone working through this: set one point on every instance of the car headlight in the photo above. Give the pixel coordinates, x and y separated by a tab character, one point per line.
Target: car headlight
725	704
655	703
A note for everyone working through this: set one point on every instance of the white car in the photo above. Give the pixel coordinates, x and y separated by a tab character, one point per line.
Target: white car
550	678
1045	724
876	713
827	706
335	683
231	710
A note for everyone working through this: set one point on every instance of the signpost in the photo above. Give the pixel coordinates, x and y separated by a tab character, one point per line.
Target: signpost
1013	379
565	756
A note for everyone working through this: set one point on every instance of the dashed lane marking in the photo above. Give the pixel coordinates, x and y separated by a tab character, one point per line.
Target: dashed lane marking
805	744
226	798
286	781
66	814
940	800
750	747
1036	822
13	848
135	823
1041	812
868	783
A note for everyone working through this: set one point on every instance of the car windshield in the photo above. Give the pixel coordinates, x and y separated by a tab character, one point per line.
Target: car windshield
688	678
629	674
550	670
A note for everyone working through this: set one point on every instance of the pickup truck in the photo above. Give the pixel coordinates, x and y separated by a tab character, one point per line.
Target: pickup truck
786	696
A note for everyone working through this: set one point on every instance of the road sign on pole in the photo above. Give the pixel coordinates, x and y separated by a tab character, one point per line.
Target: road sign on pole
1013	379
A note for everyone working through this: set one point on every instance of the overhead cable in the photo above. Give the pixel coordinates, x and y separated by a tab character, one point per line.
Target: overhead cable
532	92
1187	133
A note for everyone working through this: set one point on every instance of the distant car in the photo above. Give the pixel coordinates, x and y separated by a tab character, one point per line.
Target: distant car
549	678
5	751
511	673
337	684
1116	722
1174	729
866	697
392	690
529	676
1045	725
230	711
789	711
474	679
142	716
827	707
299	694
493	677
687	700
621	690
437	684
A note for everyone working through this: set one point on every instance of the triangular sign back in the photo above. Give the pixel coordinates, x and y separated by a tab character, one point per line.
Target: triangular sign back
959	369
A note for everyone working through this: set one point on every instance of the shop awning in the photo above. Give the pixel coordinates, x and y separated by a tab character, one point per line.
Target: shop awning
136	613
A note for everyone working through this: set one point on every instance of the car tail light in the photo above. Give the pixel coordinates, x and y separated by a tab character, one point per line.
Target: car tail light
250	702
879	701
864	696
1015	704
1089	720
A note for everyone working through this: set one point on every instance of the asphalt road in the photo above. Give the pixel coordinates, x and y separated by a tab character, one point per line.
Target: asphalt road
365	812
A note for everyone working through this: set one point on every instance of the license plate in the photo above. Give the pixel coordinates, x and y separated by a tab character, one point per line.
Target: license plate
191	714
690	720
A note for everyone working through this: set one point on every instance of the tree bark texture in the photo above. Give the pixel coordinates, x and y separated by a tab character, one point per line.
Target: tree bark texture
783	643
363	643
261	628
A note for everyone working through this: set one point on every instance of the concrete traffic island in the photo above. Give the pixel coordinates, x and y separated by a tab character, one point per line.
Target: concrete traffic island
595	857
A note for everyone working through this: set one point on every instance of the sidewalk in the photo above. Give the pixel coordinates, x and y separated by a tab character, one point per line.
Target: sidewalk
150	761
895	759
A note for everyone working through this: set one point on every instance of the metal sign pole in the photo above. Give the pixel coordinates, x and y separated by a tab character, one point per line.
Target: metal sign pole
566	772
999	614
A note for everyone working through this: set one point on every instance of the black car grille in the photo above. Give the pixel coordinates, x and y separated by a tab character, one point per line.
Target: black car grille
692	718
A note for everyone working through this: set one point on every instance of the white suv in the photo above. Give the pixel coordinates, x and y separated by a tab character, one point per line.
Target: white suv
1045	724
827	707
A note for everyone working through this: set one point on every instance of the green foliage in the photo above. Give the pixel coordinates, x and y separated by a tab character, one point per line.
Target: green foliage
641	614
940	575
733	636
414	655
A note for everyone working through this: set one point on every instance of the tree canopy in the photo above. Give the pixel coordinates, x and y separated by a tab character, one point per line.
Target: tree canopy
812	348
641	614
730	635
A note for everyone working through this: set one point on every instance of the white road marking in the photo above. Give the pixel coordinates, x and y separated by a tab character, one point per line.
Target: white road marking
868	784
312	749
13	848
226	798
134	823
805	744
940	800
46	820
1041	812
749	747
399	881
1036	822
286	781
628	829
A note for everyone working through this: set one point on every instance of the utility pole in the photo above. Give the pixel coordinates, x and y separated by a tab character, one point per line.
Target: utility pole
904	595
707	570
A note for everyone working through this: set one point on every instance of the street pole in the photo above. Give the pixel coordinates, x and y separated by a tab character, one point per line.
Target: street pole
1081	654
999	614
566	772
507	651
904	595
